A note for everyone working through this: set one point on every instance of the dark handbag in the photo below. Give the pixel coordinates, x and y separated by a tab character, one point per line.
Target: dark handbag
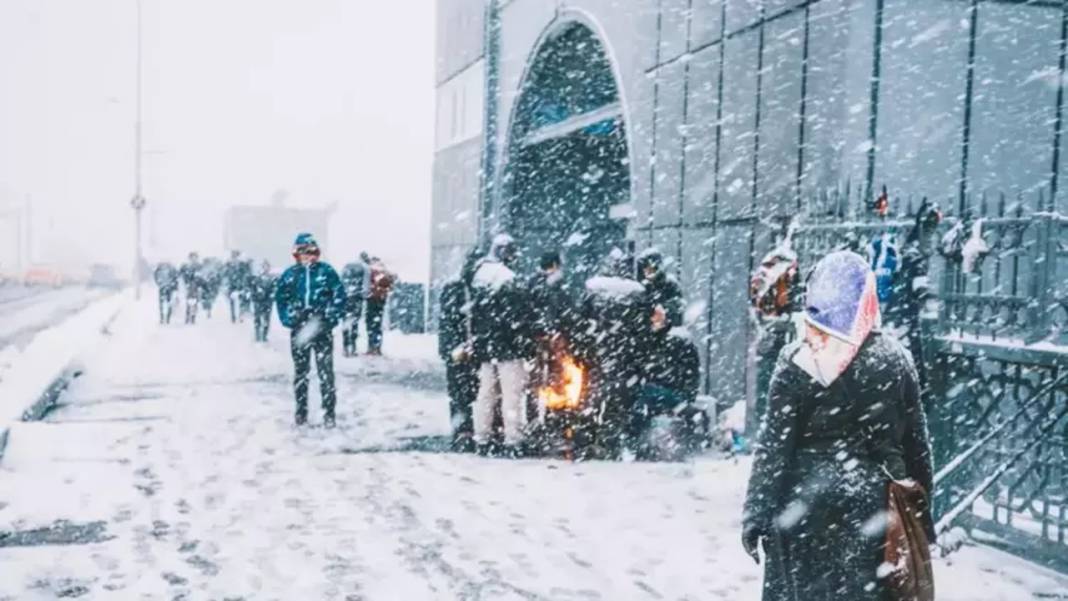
907	550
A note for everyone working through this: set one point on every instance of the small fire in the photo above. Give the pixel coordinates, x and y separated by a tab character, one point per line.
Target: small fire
566	391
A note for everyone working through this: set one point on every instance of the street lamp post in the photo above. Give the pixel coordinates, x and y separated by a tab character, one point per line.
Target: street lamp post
138	202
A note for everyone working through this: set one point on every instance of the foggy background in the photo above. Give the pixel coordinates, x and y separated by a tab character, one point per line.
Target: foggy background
325	100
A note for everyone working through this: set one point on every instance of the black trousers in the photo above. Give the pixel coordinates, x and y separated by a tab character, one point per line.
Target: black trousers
462	380
350	329
262	321
166	304
235	306
322	347
191	304
375	311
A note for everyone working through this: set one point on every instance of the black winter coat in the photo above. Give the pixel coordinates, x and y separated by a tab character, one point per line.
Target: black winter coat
614	326
818	489
553	306
673	362
262	290
665	291
453	327
501	321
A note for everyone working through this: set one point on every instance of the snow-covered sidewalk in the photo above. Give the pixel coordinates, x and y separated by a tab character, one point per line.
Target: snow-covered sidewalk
172	471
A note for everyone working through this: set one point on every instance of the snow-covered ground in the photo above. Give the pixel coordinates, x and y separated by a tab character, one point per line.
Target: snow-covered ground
179	475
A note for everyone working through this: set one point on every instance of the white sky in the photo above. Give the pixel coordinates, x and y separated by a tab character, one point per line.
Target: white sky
330	100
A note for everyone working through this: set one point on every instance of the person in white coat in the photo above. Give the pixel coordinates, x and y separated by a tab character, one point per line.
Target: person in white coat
503	341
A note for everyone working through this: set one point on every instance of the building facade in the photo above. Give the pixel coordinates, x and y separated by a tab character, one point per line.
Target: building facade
700	127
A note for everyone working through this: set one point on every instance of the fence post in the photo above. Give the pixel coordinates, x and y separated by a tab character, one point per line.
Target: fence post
1042	279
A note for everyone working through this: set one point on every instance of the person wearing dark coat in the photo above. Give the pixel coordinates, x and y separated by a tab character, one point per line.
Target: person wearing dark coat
193	282
912	286
455	348
262	296
237	274
353	276
553	312
166	277
611	339
502	343
380	284
671	380
311	303
663	289
844	418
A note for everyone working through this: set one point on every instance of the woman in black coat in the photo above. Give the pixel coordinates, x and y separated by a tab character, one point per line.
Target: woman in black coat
843	419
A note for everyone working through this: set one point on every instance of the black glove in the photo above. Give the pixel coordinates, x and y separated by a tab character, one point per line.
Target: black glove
751	535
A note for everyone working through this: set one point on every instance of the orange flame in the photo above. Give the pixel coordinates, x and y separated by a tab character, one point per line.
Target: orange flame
566	393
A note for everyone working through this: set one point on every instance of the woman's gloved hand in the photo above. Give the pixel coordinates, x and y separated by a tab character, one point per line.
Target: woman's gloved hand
751	535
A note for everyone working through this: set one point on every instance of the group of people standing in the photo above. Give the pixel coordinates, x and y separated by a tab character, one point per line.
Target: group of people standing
502	338
312	300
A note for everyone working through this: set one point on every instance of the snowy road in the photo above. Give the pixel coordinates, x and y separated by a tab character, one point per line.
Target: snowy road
24	312
171	471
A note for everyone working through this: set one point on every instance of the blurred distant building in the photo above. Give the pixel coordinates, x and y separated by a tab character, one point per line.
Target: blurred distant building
267	232
700	126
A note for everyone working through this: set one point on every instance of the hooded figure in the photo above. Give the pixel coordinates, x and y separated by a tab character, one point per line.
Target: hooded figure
311	302
663	288
456	349
844	418
612	337
503	343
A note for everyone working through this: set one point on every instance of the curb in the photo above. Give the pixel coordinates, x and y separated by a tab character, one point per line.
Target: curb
48	398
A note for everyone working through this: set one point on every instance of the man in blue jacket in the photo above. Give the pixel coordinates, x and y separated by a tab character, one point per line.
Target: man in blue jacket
311	302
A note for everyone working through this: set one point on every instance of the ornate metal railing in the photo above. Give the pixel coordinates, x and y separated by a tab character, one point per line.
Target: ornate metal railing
994	352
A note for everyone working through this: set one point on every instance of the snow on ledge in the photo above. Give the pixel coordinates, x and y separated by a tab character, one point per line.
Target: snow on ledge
52	352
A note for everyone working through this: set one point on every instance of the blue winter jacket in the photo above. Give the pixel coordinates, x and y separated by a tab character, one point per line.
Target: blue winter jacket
297	304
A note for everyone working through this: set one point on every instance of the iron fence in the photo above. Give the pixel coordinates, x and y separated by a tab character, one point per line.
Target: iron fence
993	351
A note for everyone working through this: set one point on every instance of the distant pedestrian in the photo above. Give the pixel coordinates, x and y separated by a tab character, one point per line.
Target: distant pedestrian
380	285
167	278
844	427
193	282
237	274
262	295
456	348
353	276
311	303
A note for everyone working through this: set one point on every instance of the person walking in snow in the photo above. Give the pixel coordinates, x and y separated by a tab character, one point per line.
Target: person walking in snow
261	292
612	339
353	276
503	343
238	276
844	420
311	303
662	287
455	347
166	277
193	282
380	285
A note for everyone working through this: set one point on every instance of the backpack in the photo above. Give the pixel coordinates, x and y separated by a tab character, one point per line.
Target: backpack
381	284
885	261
